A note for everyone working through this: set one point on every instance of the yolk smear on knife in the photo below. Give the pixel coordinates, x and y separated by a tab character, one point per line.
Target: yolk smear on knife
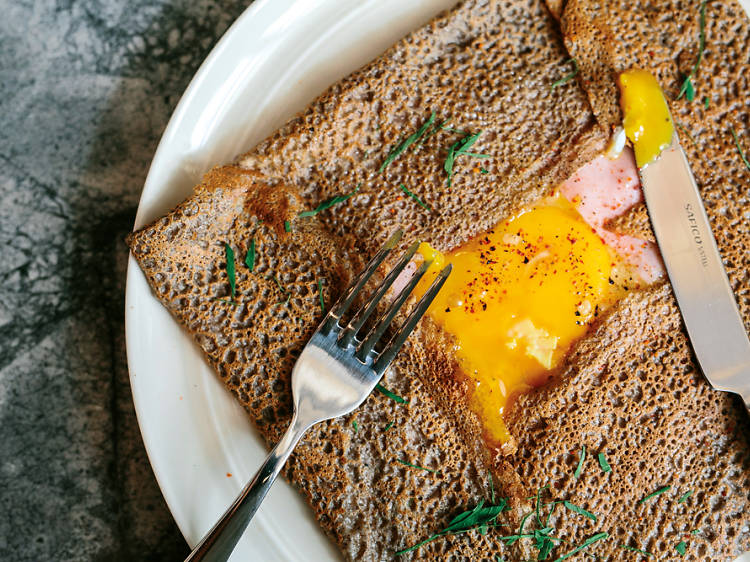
646	118
521	294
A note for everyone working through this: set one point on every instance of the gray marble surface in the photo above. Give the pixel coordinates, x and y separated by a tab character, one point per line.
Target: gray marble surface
86	89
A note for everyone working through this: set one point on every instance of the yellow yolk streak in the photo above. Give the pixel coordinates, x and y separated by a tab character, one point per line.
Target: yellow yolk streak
519	296
646	118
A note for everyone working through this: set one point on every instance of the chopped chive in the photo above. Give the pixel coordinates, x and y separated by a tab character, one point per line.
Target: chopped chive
482	170
523	522
695	531
417	199
579	510
587	543
329	203
230	269
278	284
416	466
479	518
459	147
320	296
389	426
685	496
473	154
434	131
687	133
395	397
638	550
706	103
393	154
603	463
492	488
355	425
568	77
687	85
654	494
690	90
581	460
287	226
739	148
681	547
539	504
250	256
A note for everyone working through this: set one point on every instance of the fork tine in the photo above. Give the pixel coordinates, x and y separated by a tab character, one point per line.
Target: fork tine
364	313
345	301
386	318
408	326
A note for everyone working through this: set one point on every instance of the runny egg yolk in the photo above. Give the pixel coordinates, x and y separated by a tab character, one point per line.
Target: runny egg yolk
646	118
518	297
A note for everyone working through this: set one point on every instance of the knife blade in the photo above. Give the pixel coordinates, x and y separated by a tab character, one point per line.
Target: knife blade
696	271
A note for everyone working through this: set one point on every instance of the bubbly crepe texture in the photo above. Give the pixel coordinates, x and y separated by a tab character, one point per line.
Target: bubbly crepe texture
630	389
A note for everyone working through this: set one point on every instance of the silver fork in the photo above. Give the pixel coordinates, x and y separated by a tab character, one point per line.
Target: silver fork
333	375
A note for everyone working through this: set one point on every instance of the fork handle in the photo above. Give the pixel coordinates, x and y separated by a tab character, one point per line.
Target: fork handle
217	545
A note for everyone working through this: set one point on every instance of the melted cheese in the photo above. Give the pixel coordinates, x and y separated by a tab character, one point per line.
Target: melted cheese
646	117
518	297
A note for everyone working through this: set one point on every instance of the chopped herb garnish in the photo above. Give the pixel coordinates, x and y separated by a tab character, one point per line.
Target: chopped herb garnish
492	488
230	269
498	559
227	301
537	509
329	203
278	284
417	199
398	149
603	463
689	136
355	425
579	510
681	547
416	466
587	543
687	86
695	531
395	397
250	256
320	296
287	226
478	518
685	496
457	148
482	170
739	148
638	550
436	130
581	460
690	90
654	494
706	103
389	426
568	77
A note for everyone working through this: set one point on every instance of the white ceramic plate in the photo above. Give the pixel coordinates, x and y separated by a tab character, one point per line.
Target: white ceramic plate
276	58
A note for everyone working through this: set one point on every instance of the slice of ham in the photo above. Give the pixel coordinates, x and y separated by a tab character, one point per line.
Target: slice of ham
605	189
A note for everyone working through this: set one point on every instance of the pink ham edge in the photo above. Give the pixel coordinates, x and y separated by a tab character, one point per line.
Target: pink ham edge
605	189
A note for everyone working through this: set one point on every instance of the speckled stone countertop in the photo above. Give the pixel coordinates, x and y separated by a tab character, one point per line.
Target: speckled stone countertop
86	89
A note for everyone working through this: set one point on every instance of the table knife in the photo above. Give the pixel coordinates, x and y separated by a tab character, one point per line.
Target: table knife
696	271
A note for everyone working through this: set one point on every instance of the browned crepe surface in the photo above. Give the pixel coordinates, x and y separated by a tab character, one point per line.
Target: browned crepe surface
630	390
